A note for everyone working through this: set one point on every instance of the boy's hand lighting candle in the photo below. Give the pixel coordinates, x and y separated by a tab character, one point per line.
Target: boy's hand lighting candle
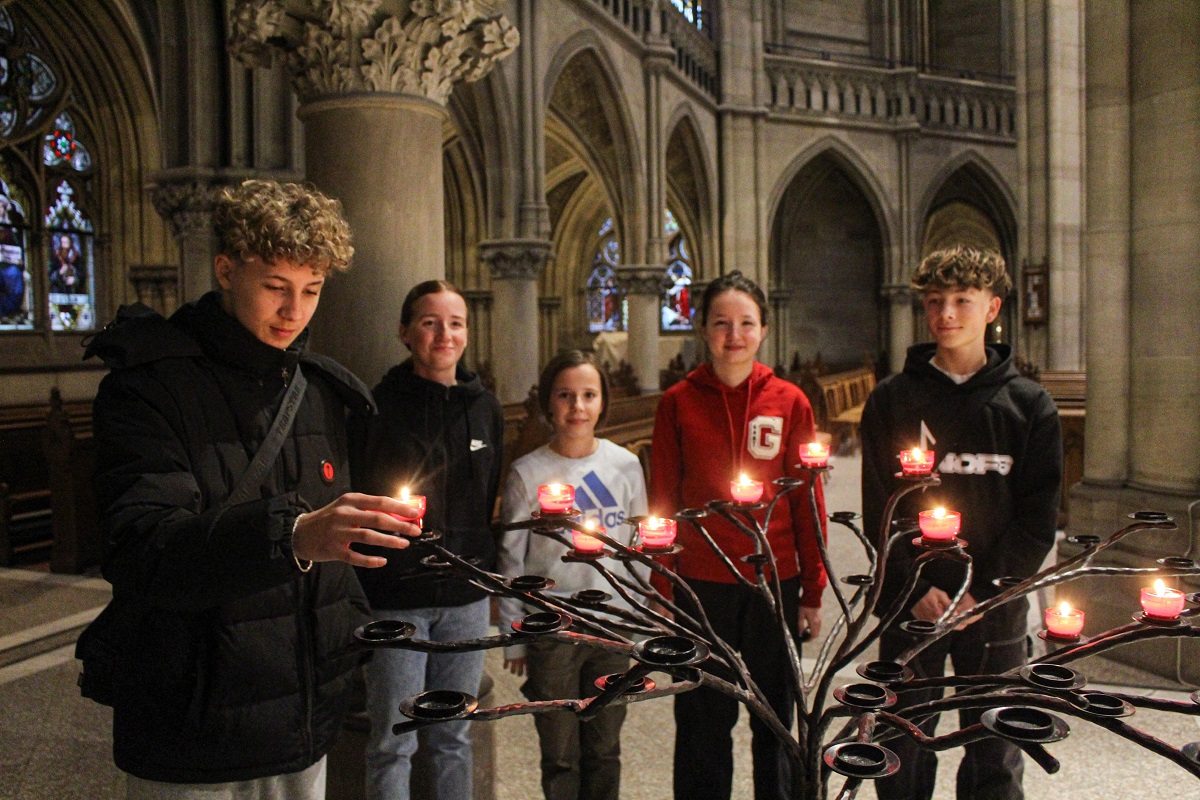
586	543
815	454
556	498
1064	621
745	490
1162	602
656	533
939	524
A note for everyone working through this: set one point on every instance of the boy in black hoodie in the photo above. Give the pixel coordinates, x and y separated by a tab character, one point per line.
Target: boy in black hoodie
999	449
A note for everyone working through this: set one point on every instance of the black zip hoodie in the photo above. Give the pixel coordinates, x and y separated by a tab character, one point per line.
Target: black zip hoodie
999	453
444	442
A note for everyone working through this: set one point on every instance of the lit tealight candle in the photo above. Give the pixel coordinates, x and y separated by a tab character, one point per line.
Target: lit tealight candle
1162	602
916	461
745	490
1064	622
586	543
939	524
657	533
816	454
416	501
556	498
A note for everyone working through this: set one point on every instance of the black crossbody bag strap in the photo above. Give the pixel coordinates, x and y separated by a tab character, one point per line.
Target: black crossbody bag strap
248	486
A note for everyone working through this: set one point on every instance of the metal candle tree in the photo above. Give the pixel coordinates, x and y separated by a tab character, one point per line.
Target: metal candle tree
841	730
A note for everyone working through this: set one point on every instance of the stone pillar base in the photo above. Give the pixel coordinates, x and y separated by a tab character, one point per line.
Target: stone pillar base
1112	601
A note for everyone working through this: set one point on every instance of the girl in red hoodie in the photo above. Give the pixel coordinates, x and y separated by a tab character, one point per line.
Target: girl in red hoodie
731	416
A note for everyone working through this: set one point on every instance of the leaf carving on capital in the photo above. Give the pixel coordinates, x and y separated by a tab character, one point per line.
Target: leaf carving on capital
251	25
344	46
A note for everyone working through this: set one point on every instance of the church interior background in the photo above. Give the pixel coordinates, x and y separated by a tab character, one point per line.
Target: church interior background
580	169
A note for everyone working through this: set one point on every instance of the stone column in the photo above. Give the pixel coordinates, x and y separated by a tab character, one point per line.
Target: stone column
900	325
185	201
515	266
1143	414
373	89
776	353
643	287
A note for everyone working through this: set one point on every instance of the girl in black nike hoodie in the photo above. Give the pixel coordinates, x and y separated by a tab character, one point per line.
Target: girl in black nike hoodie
440	434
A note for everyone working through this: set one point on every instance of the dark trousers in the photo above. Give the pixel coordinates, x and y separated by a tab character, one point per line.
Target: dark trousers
704	718
991	768
580	760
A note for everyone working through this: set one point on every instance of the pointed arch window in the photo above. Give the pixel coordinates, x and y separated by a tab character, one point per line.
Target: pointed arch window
16	283
677	308
48	211
605	301
693	10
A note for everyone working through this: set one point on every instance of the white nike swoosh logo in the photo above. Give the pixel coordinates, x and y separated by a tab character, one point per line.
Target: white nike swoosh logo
476	444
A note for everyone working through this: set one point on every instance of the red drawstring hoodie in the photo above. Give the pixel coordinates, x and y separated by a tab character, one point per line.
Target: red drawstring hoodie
705	435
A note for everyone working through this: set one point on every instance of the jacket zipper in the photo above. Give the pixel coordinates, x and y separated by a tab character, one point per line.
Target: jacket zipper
305	662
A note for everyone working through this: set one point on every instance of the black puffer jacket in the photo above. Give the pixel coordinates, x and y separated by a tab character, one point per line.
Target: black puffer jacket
446	443
238	664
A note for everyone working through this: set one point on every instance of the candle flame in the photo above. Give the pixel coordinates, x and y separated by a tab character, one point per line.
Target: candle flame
918	454
1159	586
743	480
939	513
1064	608
404	496
653	523
590	524
555	488
816	449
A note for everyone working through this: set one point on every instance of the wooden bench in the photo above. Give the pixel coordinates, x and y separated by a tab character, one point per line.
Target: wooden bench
842	396
1069	390
46	505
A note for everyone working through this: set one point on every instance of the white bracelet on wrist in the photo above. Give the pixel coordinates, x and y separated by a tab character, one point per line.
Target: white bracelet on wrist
302	565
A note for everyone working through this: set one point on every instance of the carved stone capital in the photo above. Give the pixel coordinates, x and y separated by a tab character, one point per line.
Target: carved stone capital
186	206
646	280
338	46
520	259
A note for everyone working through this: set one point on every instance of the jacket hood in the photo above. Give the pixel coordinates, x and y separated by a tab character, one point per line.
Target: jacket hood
403	379
705	377
140	335
998	370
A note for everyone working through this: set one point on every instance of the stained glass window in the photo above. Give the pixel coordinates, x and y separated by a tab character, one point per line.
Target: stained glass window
677	309
692	9
605	304
61	147
71	278
47	201
16	284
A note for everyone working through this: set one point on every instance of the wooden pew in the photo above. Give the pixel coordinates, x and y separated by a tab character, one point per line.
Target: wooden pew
841	398
45	483
1069	390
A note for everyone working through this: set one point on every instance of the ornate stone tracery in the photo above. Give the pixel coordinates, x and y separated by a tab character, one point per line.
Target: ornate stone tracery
337	46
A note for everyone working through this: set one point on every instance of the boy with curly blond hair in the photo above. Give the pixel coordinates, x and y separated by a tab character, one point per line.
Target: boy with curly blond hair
999	453
234	601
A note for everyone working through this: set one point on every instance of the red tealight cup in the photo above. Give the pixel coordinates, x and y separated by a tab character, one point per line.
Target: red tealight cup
416	501
586	543
939	525
1161	602
657	533
916	461
815	454
745	490
556	498
1063	621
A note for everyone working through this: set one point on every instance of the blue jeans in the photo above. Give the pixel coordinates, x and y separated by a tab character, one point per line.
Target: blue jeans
393	675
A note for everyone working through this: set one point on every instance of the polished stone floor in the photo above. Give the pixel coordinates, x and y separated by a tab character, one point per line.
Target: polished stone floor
53	744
